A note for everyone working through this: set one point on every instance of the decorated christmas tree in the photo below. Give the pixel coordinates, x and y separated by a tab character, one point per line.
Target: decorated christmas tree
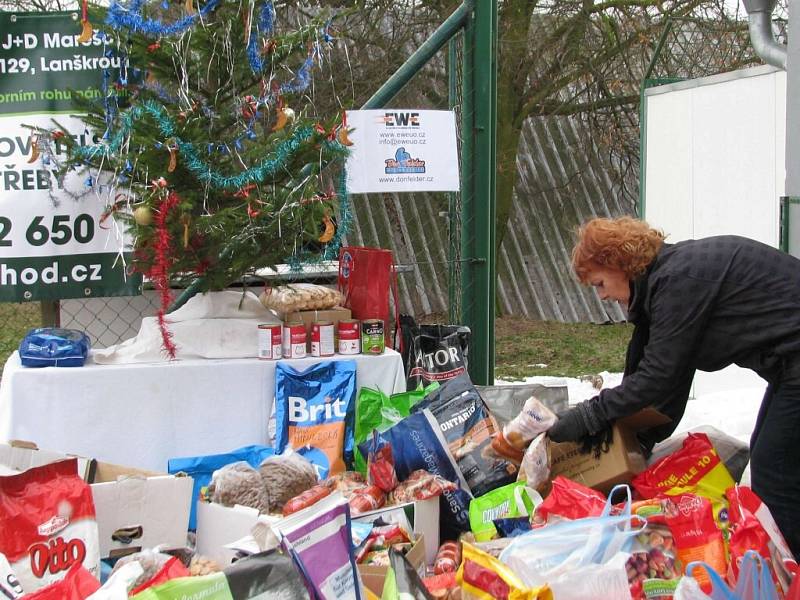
209	142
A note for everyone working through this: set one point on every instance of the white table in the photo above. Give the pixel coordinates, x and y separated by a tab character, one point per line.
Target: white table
141	415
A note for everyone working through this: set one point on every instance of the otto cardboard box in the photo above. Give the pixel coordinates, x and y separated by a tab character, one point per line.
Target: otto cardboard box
135	509
620	464
334	315
373	576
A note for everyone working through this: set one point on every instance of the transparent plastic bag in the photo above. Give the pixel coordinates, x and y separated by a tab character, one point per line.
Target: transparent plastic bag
300	296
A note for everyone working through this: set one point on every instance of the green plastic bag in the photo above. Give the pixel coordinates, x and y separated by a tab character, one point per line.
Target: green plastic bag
512	500
376	410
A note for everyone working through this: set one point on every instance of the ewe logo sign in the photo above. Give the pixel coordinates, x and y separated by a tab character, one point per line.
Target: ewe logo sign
55	239
402	150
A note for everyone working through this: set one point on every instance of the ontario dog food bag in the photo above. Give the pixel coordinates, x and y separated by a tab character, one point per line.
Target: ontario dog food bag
316	408
469	428
48	524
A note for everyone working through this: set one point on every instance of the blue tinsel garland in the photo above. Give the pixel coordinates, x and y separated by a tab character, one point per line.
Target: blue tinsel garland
130	17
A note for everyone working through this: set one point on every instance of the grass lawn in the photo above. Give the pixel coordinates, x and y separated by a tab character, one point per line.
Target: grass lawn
566	350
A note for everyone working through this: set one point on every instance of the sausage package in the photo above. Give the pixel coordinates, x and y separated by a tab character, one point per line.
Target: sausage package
316	408
48	524
469	428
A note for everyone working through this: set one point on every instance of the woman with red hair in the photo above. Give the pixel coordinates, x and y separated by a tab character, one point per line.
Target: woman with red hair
699	304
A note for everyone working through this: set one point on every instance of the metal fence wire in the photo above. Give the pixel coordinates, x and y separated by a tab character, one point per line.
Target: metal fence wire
570	165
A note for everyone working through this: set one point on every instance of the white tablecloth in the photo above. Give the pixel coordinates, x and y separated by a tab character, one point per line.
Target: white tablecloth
141	415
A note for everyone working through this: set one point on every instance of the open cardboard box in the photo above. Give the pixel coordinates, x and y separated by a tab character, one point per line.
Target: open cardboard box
372	576
135	508
620	464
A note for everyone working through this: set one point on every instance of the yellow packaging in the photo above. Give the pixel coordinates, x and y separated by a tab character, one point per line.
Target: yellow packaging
483	577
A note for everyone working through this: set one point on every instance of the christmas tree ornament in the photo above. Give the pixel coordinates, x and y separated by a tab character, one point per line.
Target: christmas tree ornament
173	158
189	7
329	231
249	107
34	149
143	216
86	26
186	220
284	117
343	137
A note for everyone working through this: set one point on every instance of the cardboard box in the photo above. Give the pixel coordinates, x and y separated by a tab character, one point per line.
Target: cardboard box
372	577
620	464
334	315
424	518
219	525
135	509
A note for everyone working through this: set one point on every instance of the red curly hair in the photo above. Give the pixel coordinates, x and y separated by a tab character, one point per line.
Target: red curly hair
624	243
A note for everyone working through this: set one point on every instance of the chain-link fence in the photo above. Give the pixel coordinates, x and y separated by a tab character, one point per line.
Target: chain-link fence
568	144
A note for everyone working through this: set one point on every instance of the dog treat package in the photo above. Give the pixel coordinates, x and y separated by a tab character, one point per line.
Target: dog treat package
316	408
48	524
469	428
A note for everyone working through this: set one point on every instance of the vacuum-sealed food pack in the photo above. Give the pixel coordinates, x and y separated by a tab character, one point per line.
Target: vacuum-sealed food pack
315	408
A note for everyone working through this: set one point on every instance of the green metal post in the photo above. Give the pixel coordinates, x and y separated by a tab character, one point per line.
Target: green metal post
479	202
646	82
421	56
452	207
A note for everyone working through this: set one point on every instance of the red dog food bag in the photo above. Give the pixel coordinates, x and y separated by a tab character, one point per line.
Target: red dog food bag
48	524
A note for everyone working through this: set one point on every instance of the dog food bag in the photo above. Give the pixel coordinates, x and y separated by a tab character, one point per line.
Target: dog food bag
319	540
469	427
316	408
48	524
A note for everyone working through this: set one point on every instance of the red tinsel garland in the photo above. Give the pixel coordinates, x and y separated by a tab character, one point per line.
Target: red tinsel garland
159	272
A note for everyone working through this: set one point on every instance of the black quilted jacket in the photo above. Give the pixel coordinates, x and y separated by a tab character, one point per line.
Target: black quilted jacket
705	304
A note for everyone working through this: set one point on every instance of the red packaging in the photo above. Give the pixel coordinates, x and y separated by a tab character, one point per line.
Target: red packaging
172	569
696	535
349	336
48	524
421	485
381	467
440	583
306	499
447	559
569	500
753	528
294	340
366	499
77	584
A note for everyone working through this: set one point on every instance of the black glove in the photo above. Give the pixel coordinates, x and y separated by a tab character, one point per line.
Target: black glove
584	424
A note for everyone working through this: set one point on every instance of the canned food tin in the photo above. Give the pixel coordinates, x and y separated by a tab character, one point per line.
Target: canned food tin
270	341
349	337
372	340
294	340
322	339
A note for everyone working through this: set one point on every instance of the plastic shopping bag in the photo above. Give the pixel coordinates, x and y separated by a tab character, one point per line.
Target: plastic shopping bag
483	577
567	550
512	500
754	583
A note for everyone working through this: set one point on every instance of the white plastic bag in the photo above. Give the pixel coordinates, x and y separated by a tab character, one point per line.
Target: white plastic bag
563	551
120	583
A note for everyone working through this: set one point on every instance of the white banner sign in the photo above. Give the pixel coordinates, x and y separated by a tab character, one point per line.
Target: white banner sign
402	150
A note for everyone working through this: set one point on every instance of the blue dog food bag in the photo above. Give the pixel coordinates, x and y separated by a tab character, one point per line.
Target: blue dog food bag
316	408
54	347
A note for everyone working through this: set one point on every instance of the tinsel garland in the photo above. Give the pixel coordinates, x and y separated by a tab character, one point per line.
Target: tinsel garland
159	272
267	168
131	18
266	22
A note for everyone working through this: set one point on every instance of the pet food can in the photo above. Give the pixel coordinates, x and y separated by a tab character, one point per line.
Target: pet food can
322	339
372	340
294	340
270	341
349	337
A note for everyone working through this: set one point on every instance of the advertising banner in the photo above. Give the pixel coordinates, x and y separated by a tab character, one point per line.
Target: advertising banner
402	150
57	236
